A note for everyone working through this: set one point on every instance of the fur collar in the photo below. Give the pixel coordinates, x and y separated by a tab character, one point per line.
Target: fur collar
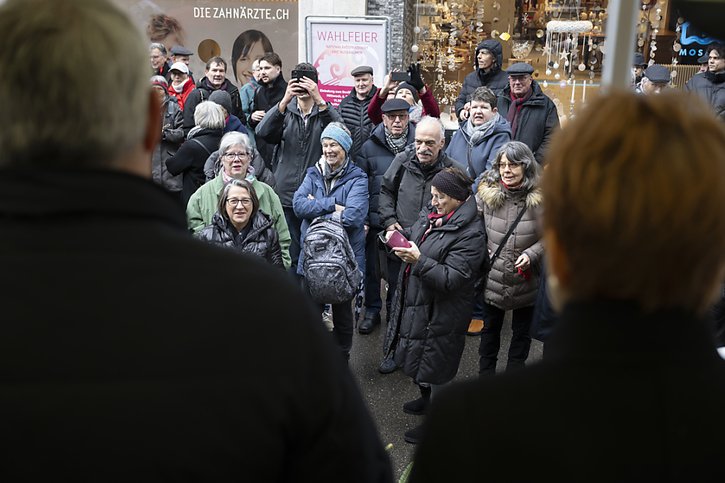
494	195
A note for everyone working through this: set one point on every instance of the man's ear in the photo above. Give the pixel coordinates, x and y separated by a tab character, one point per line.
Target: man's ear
153	133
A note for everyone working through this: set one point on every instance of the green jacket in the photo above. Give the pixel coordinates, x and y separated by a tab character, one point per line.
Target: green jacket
204	203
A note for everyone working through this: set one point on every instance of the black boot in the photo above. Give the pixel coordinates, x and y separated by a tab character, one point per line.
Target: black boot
414	435
419	406
369	323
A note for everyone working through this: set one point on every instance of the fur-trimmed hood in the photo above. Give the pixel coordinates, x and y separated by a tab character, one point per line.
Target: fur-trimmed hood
493	194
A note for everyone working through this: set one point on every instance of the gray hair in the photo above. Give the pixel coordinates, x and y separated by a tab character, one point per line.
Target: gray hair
518	152
209	115
233	138
73	120
434	121
158	46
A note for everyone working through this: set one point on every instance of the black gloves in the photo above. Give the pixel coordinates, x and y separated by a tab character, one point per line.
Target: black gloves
415	78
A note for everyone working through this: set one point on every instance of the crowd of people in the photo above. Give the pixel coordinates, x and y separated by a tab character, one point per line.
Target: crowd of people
126	360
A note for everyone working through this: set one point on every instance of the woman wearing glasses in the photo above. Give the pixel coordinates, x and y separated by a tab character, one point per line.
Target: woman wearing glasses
239	224
510	200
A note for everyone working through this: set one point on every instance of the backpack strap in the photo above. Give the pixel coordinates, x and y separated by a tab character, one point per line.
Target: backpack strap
202	145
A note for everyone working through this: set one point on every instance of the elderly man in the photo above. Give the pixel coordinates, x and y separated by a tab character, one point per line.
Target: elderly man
180	53
655	79
214	79
710	85
131	351
387	140
354	107
159	60
530	112
487	73
405	190
272	87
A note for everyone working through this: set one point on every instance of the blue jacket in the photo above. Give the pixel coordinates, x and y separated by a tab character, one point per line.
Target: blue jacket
349	190
479	158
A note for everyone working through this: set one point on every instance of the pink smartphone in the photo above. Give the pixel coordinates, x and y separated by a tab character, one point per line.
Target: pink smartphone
397	240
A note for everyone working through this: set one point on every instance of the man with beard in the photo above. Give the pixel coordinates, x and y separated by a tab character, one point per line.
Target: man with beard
710	85
354	108
487	72
214	79
387	140
272	87
404	191
530	112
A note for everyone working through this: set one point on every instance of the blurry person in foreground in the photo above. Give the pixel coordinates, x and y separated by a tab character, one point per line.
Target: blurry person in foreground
121	358
631	388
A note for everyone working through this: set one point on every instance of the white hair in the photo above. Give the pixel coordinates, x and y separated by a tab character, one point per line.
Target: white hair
433	121
209	115
233	138
60	111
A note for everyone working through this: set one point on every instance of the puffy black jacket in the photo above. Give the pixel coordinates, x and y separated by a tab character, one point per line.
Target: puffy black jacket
432	309
354	113
201	93
405	189
537	120
375	158
190	159
261	240
495	79
171	138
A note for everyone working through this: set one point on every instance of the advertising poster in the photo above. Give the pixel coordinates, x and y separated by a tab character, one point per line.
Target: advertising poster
238	31
336	45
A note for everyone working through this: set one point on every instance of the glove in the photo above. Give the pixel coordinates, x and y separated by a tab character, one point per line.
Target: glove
415	79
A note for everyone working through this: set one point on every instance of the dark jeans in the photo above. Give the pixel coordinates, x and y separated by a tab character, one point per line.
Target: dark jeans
373	301
342	326
491	338
294	225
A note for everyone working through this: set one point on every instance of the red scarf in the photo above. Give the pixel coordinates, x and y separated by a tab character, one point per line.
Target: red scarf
515	109
434	220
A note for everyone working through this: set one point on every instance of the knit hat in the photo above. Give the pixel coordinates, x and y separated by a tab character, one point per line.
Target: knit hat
451	185
158	80
337	134
405	85
223	99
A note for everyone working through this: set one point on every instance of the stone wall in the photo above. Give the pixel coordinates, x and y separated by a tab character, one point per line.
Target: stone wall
402	22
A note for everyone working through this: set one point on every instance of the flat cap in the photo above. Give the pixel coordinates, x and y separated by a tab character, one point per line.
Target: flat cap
703	59
392	105
180	50
520	68
361	69
638	59
659	74
180	66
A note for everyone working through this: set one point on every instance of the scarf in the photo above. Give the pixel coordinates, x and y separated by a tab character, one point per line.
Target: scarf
396	144
249	177
515	109
435	220
178	89
476	134
416	113
330	176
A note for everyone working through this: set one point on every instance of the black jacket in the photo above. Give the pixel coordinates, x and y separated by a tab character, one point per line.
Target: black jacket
131	351
261	239
621	396
202	92
354	113
537	120
190	159
405	189
171	138
264	99
711	88
375	158
496	80
433	304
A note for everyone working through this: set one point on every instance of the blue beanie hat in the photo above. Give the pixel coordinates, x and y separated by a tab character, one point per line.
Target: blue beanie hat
337	134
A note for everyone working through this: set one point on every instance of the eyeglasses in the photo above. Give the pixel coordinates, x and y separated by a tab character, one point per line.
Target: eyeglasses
235	201
508	164
393	117
236	155
519	78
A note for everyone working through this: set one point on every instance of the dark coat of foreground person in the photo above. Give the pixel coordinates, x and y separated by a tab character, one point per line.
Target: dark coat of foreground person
119	365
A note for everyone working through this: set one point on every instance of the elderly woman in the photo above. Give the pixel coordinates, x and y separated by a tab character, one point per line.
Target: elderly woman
202	140
336	187
510	200
433	304
240	224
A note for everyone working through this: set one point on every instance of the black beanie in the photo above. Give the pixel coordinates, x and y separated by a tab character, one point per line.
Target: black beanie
451	185
405	85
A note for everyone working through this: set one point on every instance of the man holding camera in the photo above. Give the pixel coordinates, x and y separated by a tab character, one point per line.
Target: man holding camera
295	124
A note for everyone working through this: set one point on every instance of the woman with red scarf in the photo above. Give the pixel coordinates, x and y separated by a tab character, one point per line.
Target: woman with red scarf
433	305
510	200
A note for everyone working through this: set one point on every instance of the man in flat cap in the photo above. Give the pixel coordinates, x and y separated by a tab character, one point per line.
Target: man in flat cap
354	107
638	66
182	54
530	112
656	78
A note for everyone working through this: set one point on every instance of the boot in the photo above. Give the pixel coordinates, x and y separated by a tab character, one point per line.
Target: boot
369	323
418	407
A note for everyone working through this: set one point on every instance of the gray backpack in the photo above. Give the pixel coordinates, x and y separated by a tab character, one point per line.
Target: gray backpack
329	264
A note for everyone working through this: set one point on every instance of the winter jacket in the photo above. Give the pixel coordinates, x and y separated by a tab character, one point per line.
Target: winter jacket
495	79
505	288
428	101
537	120
349	189
480	157
233	123
246	96
298	145
185	91
190	159
265	98
171	138
201	93
374	159
261	240
354	113
205	202
432	307
711	87
261	172
405	189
